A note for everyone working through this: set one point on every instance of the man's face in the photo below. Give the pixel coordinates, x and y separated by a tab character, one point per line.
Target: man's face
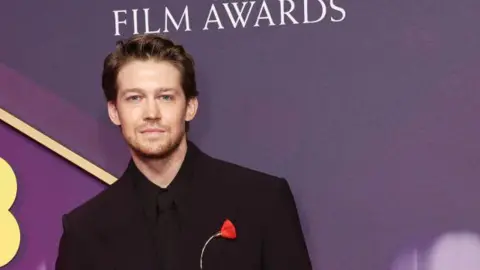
151	108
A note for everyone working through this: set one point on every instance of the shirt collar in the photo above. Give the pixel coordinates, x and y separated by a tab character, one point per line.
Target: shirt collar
148	192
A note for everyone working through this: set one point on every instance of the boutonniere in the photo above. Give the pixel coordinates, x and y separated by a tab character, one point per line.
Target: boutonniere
227	231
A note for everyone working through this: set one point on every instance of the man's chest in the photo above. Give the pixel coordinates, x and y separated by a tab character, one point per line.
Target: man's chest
134	246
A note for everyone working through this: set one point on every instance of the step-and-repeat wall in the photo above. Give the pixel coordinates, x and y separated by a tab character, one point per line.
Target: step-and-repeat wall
370	109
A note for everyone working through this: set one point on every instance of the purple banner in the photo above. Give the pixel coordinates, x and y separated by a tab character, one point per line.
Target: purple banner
368	108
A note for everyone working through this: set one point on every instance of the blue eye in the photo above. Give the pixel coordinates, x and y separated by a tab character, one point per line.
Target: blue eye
167	97
133	98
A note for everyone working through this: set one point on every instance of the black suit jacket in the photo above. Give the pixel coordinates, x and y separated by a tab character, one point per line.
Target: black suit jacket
109	231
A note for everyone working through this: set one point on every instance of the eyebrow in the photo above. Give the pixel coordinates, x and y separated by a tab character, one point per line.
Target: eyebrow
139	90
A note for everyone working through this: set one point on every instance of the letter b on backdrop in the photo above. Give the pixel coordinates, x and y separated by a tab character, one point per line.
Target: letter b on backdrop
9	229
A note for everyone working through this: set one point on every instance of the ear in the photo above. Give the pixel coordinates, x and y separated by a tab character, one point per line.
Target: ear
113	113
192	107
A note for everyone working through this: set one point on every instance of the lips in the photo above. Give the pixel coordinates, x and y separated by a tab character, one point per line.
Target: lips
152	130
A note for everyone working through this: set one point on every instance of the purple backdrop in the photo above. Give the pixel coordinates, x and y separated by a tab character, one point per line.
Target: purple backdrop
372	119
48	186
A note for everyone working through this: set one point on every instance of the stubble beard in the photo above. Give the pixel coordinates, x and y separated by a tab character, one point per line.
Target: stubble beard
155	150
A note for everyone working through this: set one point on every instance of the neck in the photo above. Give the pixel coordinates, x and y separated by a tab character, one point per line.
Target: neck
162	171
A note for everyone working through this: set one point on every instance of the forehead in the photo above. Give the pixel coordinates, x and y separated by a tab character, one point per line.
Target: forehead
148	75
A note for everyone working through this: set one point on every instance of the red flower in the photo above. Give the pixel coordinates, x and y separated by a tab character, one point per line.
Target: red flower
228	230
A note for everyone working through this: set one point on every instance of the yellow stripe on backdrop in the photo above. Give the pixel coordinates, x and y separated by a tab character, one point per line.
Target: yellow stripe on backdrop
56	147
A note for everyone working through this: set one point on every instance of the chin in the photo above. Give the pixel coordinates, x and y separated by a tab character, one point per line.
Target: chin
155	148
153	154
156	152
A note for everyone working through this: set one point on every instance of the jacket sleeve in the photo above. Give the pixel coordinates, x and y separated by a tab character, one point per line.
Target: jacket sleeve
71	250
284	246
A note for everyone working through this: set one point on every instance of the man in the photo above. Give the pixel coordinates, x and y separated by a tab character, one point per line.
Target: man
173	198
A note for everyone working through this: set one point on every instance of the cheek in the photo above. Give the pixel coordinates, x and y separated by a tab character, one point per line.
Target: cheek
174	116
129	119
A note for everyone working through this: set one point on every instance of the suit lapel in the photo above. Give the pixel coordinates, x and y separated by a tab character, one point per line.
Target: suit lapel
202	216
130	242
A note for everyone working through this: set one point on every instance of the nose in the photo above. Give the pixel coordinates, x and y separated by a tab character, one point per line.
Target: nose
152	111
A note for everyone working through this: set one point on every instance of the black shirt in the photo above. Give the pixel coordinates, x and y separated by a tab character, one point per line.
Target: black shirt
161	208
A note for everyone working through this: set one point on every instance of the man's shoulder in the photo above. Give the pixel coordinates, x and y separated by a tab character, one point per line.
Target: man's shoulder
251	189
244	177
222	171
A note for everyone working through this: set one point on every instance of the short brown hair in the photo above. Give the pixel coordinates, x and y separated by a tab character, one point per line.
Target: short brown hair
146	47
